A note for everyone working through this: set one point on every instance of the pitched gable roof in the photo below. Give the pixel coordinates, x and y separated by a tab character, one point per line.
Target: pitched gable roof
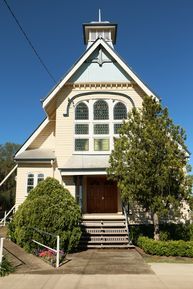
84	57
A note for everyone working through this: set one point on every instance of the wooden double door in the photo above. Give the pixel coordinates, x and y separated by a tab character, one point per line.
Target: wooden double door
101	195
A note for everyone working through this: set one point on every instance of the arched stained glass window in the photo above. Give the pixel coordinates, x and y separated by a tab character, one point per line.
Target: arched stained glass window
81	111
101	110
120	111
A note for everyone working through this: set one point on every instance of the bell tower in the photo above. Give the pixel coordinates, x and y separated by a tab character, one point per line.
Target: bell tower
99	29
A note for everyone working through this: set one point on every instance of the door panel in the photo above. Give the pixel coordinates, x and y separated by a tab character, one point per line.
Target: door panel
101	195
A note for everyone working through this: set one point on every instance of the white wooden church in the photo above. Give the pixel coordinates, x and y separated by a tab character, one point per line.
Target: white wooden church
84	113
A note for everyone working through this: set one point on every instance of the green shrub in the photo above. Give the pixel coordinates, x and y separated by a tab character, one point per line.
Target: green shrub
168	231
166	248
164	236
140	230
5	268
49	207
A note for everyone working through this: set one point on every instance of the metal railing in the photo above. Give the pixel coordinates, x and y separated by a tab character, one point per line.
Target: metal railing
1	250
8	175
3	221
57	250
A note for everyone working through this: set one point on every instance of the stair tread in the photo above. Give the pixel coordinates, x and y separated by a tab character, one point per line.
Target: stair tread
108	246
103	233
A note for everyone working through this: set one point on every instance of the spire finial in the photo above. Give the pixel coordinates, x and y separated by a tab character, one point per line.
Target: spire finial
99	15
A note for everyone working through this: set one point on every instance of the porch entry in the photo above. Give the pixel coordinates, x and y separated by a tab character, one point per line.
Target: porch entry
101	195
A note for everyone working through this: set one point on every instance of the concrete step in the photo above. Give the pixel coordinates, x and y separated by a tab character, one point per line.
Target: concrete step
104	233
110	246
103	224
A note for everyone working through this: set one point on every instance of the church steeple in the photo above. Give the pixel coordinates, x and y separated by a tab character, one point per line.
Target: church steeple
99	29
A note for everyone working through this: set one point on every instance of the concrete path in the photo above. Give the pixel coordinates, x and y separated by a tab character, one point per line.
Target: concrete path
167	276
100	269
105	261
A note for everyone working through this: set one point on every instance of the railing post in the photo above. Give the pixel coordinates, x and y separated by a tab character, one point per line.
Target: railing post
58	252
5	216
1	251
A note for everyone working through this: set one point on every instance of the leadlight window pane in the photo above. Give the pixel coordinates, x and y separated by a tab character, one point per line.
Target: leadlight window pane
40	178
30	182
101	129
101	144
101	110
81	111
117	127
81	129
120	111
81	144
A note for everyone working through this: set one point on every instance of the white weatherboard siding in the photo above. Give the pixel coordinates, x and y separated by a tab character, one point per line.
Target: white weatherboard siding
22	173
46	138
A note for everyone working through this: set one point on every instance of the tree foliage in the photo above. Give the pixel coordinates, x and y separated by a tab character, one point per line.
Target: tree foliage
149	160
51	208
7	190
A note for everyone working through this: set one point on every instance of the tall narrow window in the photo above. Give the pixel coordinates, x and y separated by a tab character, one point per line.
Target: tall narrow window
30	182
81	127
101	110
119	113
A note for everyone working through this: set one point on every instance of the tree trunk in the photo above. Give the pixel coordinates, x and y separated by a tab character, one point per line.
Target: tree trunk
156	226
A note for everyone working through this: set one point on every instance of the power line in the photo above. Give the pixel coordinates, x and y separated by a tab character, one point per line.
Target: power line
29	42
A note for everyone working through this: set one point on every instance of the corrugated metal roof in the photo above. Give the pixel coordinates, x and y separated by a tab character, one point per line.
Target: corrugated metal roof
36	154
86	162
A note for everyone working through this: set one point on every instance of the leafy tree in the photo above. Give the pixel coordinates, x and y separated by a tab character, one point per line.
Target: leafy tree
7	190
149	161
51	208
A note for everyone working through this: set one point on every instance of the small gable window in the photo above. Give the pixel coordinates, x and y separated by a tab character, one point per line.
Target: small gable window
40	178
33	180
81	111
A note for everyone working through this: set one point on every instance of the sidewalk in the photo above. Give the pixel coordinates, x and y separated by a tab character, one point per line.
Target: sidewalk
167	276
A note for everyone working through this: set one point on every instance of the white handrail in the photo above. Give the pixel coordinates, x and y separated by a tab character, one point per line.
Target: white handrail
9	174
6	215
1	250
57	250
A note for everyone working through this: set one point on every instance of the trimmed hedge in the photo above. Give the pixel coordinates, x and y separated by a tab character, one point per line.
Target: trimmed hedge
166	248
49	207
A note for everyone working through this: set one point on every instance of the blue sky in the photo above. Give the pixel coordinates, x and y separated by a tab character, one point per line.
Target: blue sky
154	38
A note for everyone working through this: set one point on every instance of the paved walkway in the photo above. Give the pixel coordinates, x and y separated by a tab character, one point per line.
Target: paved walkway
94	269
167	276
105	261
